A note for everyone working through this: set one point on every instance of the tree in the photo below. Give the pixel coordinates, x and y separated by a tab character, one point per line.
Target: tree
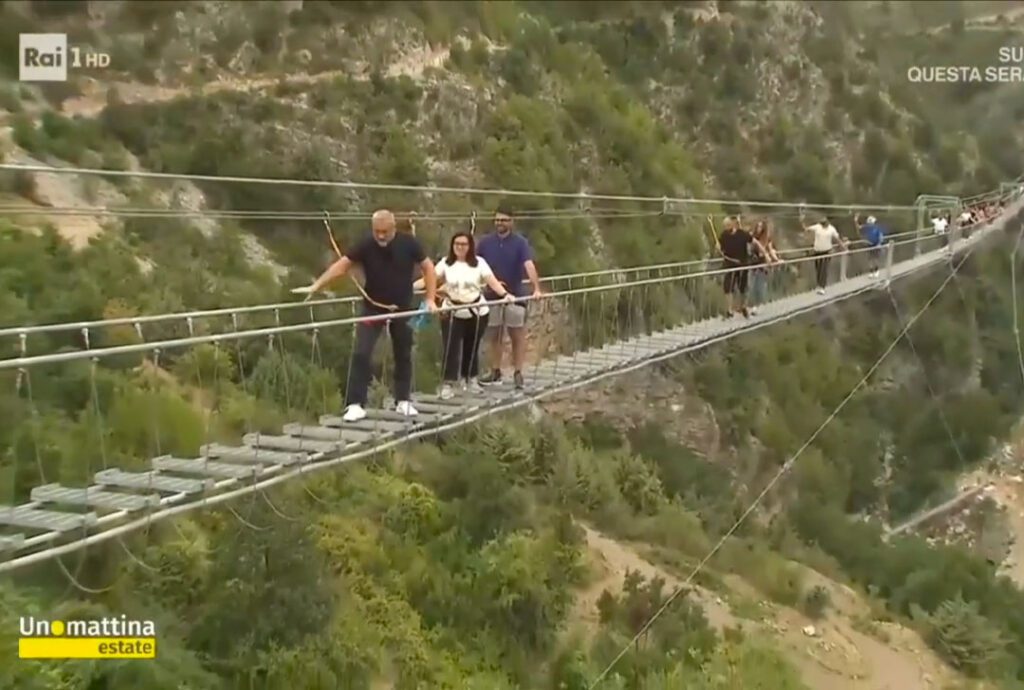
967	639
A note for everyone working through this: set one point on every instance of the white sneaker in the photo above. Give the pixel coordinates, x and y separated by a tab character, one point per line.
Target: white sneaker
473	386
353	413
447	393
406	409
753	310
821	291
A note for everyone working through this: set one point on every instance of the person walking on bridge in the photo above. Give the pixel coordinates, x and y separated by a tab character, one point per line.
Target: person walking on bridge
734	243
825	236
461	275
763	257
874	235
388	261
510	257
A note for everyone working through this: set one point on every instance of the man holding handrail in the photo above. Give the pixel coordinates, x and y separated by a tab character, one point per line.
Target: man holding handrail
388	261
511	258
825	237
874	235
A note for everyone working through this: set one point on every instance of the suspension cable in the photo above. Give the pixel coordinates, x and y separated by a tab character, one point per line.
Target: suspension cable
660	200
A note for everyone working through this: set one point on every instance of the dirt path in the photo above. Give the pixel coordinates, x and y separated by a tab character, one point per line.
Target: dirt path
833	657
614	560
984	21
1001	479
1008	492
94	97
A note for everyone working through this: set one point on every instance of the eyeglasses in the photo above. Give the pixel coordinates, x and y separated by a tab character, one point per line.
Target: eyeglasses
460	244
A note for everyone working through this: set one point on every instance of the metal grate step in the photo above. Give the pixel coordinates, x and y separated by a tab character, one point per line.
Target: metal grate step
369	425
442	408
51	520
323	433
153	482
292	443
206	468
94	497
258	456
11	542
459	405
389	415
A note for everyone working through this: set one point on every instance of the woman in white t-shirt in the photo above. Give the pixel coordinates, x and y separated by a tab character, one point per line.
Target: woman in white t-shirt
463	275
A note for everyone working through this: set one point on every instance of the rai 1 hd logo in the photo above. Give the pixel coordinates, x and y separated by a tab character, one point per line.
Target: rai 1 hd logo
47	57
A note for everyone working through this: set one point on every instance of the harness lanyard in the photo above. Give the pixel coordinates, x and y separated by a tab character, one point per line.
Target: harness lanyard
337	250
714	236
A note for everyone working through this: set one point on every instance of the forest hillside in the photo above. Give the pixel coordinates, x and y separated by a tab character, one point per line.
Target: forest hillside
525	552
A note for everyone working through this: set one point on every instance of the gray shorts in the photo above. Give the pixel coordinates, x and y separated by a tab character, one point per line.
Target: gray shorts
507	315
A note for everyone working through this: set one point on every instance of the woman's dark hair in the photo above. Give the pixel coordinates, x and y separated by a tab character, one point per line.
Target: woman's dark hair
470	251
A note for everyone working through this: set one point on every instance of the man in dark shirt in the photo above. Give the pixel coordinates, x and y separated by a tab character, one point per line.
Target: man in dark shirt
388	261
734	243
511	258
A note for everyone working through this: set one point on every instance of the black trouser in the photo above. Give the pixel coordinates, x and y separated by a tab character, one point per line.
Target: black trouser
366	340
460	339
875	257
821	261
735	281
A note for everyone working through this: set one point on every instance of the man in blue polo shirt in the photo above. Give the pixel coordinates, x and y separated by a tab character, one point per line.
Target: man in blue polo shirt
510	257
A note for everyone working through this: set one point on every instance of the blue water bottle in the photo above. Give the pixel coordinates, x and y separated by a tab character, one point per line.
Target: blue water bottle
421	319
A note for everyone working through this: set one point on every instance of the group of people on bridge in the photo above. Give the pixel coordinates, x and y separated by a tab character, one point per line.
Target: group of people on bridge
458	288
752	254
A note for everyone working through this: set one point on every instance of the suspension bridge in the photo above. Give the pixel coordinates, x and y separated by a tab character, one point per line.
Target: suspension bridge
118	499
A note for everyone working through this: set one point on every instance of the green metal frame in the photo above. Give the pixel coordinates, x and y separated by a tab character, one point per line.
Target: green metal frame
924	202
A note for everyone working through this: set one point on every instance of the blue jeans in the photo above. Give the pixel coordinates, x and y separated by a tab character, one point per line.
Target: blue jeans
758	286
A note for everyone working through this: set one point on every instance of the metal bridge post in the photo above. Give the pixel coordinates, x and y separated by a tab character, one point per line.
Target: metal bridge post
890	253
844	263
955	234
923	203
919	226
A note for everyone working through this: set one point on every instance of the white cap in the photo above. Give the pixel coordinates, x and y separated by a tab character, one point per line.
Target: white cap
871	219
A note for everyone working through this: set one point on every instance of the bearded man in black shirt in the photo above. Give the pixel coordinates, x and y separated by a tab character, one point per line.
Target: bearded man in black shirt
388	261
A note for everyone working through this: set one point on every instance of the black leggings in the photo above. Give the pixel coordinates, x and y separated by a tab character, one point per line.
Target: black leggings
460	340
821	261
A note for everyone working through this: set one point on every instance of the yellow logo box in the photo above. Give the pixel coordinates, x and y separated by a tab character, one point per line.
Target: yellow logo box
87	648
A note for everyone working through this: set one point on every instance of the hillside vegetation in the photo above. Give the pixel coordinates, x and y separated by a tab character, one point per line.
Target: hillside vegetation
457	563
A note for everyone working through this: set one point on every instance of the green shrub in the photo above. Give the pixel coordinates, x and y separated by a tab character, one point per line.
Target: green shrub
815	602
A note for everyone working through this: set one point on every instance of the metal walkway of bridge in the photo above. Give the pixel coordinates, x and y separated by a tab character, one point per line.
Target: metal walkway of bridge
60	519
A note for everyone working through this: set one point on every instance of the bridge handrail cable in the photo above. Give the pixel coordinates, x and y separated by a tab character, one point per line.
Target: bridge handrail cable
334	301
76	355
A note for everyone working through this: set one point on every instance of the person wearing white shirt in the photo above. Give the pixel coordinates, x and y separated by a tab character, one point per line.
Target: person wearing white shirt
939	224
462	275
825	235
963	222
